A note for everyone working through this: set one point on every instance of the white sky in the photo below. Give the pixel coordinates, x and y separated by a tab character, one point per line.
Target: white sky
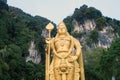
57	10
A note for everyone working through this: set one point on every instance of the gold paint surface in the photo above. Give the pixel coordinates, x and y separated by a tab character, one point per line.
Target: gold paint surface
63	56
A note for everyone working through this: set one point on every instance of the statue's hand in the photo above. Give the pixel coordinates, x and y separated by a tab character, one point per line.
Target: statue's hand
72	58
48	40
75	57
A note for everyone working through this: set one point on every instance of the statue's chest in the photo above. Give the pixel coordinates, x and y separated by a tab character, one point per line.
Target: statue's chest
62	44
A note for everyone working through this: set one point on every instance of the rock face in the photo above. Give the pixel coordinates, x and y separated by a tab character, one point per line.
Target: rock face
105	36
33	54
87	26
44	33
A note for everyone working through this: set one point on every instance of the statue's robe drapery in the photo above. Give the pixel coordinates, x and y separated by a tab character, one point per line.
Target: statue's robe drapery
78	72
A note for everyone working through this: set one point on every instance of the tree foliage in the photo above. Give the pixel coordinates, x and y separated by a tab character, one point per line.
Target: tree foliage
85	12
101	64
100	22
110	61
17	30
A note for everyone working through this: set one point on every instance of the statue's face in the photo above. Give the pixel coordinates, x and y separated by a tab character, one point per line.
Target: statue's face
62	29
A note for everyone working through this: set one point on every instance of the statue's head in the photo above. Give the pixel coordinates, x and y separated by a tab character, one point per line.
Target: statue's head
62	28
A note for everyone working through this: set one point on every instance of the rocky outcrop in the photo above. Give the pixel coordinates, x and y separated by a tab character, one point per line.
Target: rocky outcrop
33	54
105	36
44	33
87	26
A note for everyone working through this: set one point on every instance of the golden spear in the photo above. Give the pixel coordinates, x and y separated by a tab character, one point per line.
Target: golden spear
49	27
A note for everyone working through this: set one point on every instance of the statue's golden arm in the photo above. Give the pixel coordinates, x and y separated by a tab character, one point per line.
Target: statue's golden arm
77	47
52	48
79	54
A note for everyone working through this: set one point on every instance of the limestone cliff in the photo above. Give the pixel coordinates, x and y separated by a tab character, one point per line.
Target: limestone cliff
92	28
105	36
34	56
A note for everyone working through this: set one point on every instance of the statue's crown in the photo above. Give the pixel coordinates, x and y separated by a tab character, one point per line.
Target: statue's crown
61	24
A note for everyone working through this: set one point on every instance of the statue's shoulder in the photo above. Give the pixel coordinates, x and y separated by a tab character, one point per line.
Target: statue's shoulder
56	39
76	41
73	38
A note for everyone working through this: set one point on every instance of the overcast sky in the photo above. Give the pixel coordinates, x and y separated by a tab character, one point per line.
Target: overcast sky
57	10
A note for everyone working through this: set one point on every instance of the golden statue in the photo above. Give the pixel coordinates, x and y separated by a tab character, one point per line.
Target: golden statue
63	56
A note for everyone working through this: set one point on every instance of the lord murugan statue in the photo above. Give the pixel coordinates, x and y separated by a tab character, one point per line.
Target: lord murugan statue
63	55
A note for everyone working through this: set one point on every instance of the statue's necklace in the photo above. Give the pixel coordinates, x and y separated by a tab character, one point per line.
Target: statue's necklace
62	41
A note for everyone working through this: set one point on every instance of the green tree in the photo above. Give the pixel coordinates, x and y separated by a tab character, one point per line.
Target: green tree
100	22
94	36
92	64
110	61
